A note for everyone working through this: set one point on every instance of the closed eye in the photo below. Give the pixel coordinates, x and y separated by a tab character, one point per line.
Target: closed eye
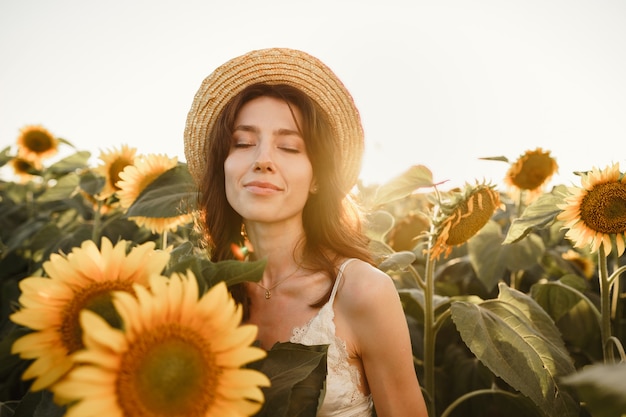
289	149
243	145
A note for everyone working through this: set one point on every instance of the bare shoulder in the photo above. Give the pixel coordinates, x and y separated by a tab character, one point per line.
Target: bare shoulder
363	286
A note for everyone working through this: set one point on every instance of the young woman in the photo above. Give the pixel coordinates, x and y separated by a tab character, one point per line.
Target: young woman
274	142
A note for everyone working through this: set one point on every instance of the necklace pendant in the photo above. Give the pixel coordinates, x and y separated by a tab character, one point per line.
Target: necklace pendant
268	294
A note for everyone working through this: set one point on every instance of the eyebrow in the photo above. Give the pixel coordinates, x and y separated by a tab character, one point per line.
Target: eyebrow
278	132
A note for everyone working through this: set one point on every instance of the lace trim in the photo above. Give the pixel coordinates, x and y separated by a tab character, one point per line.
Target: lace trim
337	351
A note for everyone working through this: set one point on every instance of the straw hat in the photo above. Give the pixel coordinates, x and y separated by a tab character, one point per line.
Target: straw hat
276	66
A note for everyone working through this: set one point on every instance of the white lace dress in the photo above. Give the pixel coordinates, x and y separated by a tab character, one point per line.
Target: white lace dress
343	397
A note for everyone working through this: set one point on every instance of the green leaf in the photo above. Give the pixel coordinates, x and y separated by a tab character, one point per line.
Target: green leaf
495	158
413	303
379	223
417	176
90	183
398	261
523	254
601	387
535	314
298	375
209	273
541	213
69	164
5	156
559	299
577	318
62	190
171	194
501	335
484	251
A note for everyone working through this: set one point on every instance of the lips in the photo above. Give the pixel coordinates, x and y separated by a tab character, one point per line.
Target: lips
262	187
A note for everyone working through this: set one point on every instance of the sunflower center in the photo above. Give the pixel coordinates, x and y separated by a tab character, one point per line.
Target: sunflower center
97	298
603	208
170	371
38	142
114	171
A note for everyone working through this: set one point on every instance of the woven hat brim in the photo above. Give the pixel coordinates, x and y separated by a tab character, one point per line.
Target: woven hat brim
276	66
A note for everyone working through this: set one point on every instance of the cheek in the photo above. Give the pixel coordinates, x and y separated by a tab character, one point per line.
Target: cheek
230	177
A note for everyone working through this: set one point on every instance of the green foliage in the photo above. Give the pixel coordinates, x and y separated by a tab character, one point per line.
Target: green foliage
169	195
518	341
512	320
297	374
602	388
504	325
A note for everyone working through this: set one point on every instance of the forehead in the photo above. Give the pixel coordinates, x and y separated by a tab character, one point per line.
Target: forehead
268	109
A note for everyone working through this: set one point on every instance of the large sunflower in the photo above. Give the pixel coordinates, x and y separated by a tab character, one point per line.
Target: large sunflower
463	217
36	143
179	355
135	178
597	211
531	171
113	163
83	279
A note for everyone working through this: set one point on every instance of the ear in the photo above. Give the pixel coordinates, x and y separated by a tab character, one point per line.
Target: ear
313	188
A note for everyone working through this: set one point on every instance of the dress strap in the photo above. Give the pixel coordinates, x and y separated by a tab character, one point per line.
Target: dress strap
338	279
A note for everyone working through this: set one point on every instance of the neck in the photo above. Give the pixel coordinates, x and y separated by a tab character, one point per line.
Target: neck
279	246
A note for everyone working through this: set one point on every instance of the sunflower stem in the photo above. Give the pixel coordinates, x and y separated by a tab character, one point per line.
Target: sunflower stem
605	305
164	240
429	332
97	220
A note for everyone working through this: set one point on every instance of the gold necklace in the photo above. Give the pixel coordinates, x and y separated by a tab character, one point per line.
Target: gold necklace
268	291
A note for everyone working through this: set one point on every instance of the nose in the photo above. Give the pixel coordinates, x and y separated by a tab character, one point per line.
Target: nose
263	166
264	161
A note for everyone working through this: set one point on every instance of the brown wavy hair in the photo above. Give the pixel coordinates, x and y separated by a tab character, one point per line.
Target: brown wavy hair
332	222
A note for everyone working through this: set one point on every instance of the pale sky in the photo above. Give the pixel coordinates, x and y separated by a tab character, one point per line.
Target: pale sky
438	83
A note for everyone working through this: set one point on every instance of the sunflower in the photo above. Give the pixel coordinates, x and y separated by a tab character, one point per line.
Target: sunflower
36	143
113	163
586	265
135	178
179	355
24	168
83	279
597	211
531	171
463	217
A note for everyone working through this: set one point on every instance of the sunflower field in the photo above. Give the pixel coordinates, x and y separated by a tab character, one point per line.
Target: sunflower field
110	306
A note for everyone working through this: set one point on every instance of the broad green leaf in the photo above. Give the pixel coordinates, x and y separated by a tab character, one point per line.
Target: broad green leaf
558	299
577	318
413	303
171	194
535	314
69	164
64	188
379	223
502	337
541	213
484	251
602	388
90	183
210	273
398	261
298	375
417	176
523	254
